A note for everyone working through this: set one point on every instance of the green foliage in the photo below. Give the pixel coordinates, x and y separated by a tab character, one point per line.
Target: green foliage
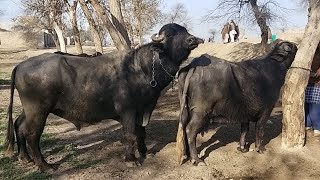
10	170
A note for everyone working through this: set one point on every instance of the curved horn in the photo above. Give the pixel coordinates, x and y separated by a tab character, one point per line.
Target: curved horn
157	39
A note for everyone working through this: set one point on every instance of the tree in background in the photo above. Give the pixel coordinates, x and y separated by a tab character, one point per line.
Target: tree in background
293	129
93	25
179	14
31	28
55	9
116	15
49	13
249	11
72	11
118	34
140	17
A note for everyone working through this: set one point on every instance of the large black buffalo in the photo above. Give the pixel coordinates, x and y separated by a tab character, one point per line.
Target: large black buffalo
123	86
214	89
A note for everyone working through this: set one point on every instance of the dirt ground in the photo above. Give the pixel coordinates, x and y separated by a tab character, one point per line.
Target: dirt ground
96	151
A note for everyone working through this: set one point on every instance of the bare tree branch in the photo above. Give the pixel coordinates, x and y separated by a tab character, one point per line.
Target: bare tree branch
179	14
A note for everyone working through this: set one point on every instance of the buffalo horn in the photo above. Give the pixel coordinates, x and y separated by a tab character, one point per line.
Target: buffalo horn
157	39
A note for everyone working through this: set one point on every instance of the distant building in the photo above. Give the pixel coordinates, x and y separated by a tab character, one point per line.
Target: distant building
47	40
11	39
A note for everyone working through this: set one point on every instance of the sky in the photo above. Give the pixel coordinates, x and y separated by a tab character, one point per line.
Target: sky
296	16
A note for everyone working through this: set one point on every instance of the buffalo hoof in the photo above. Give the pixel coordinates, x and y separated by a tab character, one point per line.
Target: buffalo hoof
149	156
132	164
198	162
9	153
261	150
24	159
48	168
243	150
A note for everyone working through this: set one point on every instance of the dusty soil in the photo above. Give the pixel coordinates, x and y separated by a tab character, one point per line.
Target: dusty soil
96	151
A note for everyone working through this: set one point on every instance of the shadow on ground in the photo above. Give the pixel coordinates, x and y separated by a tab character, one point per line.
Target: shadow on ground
229	133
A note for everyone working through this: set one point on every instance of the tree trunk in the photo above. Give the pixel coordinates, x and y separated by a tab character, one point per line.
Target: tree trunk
262	22
59	33
293	130
137	14
55	39
93	27
116	36
117	19
55	19
76	33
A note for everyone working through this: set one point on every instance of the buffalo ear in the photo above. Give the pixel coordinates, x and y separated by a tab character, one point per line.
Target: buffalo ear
286	47
275	43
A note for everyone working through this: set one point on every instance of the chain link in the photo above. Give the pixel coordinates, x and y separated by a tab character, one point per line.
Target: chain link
153	82
166	70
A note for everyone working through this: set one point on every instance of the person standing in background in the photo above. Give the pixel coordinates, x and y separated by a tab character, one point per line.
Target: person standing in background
312	96
225	33
232	30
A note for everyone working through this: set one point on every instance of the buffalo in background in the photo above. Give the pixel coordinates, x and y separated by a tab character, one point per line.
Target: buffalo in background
213	88
123	86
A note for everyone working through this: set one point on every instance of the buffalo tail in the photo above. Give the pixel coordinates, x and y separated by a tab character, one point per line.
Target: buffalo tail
9	142
181	146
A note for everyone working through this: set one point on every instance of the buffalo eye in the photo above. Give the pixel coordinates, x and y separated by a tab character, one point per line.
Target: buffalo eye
168	35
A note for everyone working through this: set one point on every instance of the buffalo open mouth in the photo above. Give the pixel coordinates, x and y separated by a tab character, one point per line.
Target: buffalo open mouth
193	46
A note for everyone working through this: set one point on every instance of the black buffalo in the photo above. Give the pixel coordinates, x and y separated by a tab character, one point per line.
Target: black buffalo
212	88
123	86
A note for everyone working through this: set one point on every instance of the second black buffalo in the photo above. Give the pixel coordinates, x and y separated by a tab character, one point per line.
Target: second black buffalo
212	88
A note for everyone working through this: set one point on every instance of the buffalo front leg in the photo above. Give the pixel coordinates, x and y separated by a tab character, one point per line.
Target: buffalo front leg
242	142
260	124
259	135
130	139
141	136
192	131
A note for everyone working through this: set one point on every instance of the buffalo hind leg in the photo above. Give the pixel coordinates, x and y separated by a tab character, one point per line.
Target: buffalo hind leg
129	127
34	126
21	141
244	130
192	130
141	136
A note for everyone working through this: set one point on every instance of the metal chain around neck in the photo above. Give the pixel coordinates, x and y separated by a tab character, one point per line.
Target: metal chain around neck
166	70
153	82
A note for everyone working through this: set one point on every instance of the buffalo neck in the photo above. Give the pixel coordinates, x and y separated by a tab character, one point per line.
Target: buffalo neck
178	55
162	64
